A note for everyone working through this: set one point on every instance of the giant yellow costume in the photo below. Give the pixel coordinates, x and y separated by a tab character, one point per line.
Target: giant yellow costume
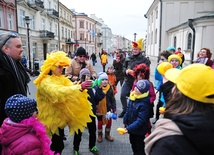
60	102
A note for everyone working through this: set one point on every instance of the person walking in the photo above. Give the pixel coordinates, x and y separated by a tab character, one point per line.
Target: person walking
93	58
60	102
104	60
187	127
13	76
118	66
80	62
135	59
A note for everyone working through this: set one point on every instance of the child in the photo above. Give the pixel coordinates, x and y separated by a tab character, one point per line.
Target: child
136	117
107	104
141	72
85	75
21	132
112	78
175	60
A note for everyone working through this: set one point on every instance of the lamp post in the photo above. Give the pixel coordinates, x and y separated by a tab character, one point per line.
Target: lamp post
27	20
135	36
85	43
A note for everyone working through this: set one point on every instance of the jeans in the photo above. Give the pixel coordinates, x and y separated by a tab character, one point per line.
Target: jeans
125	92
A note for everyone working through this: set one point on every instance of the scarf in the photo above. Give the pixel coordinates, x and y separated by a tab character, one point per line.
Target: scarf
102	106
134	97
40	132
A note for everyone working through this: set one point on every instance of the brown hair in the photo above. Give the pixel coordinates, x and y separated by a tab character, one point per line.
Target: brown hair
209	54
165	54
182	105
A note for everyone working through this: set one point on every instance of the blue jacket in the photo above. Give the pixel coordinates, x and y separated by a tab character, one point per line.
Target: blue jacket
136	117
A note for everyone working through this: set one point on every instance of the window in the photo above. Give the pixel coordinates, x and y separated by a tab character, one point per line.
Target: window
152	38
56	30
81	36
86	25
64	14
66	34
69	35
43	24
32	22
1	19
49	4
189	41
50	26
22	17
156	36
175	41
62	32
156	13
34	50
81	24
10	21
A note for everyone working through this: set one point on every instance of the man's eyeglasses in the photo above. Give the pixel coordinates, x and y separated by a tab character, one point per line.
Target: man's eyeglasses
8	36
82	56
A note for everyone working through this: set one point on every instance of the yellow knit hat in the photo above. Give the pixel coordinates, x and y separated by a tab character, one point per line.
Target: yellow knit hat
138	44
175	56
195	81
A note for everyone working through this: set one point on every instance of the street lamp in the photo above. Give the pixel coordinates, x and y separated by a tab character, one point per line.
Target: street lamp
27	20
135	36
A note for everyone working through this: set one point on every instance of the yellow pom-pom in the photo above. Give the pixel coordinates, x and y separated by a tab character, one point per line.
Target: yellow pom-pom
163	67
161	110
121	131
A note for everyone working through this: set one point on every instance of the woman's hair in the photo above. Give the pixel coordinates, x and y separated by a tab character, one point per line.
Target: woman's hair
165	54
143	69
181	104
209	54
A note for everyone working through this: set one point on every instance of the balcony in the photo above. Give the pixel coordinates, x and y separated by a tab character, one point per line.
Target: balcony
36	4
53	13
99	44
70	41
46	34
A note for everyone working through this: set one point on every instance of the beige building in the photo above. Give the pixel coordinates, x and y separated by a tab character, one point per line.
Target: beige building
188	24
42	29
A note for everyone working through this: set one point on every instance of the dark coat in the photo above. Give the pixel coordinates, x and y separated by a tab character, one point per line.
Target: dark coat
130	63
10	84
137	116
118	67
197	138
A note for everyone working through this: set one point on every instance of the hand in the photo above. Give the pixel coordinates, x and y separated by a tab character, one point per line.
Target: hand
86	84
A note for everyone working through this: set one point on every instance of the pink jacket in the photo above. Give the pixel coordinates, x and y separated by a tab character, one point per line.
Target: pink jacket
19	139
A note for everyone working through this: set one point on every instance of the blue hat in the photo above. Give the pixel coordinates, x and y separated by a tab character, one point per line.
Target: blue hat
19	107
143	86
171	48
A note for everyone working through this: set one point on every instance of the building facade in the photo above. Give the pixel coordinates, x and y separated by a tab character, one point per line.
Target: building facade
186	24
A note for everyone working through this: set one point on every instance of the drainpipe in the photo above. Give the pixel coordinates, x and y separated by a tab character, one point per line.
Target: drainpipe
161	6
190	24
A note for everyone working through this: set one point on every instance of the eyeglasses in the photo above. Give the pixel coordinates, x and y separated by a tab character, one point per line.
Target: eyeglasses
9	35
82	56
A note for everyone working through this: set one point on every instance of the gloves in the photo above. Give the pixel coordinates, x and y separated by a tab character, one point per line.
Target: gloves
86	84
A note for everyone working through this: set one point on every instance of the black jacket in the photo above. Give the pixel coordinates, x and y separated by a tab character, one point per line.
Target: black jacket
10	83
118	67
197	138
131	62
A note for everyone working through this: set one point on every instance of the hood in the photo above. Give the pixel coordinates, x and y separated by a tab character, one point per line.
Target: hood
198	129
12	131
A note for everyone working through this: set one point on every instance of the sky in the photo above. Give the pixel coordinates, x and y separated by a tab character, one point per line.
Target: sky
124	17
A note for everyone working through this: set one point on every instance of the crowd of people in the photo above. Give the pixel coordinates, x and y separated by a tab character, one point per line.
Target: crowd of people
69	92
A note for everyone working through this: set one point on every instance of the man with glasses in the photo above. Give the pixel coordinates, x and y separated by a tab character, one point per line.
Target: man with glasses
13	77
79	63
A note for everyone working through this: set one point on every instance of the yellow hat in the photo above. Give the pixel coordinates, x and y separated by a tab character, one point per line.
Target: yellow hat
195	81
163	67
175	56
54	59
138	44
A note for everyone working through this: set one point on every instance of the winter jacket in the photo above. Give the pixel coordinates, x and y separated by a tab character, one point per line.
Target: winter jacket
19	139
118	67
191	134
74	69
137	116
10	83
104	59
130	63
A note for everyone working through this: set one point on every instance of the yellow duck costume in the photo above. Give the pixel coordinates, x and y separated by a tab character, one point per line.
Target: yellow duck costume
60	102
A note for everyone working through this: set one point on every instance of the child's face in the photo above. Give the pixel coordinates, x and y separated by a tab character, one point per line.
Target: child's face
87	77
110	70
104	82
175	62
136	91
